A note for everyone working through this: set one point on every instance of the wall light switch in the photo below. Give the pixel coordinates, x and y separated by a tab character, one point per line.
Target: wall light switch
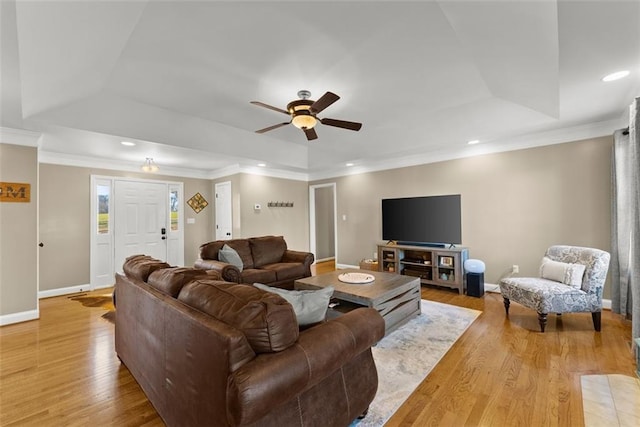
191	220
344	217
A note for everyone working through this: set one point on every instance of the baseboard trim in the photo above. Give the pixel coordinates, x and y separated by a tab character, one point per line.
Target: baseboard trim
340	266
23	316
63	291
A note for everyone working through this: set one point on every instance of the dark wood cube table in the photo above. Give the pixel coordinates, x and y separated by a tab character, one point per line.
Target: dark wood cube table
394	296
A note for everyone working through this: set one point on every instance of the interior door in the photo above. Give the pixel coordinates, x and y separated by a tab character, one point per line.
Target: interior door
140	220
223	211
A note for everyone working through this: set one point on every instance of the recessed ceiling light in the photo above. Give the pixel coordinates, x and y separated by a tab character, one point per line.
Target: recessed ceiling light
473	141
349	164
128	143
615	76
262	165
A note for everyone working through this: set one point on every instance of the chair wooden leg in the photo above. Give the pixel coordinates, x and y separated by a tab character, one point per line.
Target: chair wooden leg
597	316
506	305
542	319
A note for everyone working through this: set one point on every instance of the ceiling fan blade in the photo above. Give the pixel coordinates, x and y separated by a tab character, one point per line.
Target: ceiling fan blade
270	107
341	124
324	101
311	134
272	127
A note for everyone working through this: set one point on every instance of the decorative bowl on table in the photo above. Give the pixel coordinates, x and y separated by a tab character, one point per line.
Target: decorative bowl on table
356	278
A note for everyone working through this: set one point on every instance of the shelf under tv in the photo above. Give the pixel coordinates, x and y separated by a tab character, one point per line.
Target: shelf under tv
426	262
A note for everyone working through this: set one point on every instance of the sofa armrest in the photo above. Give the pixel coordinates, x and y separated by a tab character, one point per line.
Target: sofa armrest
305	258
227	272
272	379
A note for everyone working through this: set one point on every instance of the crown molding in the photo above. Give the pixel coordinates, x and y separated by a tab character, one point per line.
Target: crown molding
512	143
50	157
276	173
53	158
19	137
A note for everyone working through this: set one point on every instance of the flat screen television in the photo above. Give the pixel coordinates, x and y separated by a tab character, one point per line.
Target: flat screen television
430	220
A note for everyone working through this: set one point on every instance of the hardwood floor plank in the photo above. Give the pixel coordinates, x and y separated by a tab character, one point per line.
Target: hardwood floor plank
62	369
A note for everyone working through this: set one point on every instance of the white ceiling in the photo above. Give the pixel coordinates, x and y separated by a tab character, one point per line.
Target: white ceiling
423	77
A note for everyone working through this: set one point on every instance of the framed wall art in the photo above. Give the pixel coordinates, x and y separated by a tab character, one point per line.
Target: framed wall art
197	202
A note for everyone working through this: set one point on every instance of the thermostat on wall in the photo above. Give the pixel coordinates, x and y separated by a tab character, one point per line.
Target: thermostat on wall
257	206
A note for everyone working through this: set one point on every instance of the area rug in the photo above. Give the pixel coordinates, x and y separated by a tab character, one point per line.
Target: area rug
406	356
103	301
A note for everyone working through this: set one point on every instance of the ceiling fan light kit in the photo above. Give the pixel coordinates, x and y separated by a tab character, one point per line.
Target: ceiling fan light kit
303	114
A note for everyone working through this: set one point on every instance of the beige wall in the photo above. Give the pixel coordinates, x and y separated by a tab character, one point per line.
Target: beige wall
18	233
292	223
514	204
65	227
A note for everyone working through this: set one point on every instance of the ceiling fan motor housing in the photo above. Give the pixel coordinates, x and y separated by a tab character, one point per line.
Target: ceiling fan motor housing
301	115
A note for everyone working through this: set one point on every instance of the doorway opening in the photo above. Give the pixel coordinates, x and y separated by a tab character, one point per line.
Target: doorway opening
323	239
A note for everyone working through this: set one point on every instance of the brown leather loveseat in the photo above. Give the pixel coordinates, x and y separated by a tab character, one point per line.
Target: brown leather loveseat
212	353
264	259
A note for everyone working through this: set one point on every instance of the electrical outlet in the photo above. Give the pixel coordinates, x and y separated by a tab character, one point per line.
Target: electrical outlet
515	269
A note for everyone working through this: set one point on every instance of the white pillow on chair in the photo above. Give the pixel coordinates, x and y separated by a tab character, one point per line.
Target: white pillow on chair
568	274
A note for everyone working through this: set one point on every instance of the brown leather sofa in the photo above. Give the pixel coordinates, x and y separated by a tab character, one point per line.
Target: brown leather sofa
213	353
265	260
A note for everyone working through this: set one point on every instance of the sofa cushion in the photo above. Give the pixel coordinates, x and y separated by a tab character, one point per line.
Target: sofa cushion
267	249
171	280
252	275
242	247
210	250
141	266
285	270
230	256
266	319
310	306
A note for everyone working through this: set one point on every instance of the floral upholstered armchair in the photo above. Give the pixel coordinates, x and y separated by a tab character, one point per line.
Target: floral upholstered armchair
571	280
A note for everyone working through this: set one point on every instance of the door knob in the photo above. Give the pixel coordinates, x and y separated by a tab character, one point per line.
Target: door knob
41	244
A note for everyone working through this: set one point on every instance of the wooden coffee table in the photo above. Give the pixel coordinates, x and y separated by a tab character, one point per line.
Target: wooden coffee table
394	296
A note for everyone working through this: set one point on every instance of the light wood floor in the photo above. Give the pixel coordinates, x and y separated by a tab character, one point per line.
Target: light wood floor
61	370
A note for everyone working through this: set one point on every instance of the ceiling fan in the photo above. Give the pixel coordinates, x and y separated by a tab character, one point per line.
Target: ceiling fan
303	114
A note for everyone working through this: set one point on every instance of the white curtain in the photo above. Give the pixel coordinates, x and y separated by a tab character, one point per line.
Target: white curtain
625	221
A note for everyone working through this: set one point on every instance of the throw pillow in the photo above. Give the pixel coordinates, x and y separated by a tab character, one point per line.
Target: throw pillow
310	306
230	256
566	273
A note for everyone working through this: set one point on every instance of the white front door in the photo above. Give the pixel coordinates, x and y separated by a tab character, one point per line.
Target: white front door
140	220
223	211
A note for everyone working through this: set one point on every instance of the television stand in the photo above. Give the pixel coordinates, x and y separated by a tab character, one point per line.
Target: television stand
434	265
